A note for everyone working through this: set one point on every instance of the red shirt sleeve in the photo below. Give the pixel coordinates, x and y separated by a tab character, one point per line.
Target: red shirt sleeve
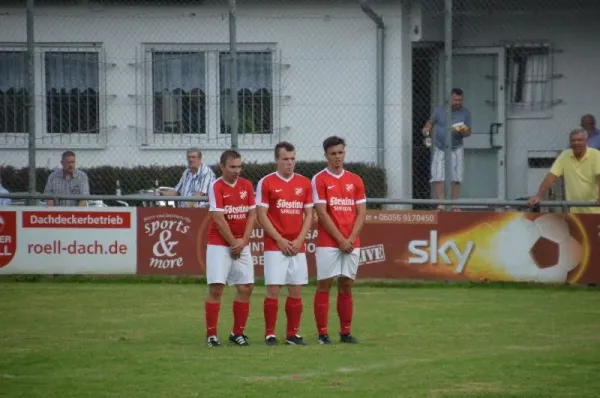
251	198
308	198
215	197
319	190
262	193
359	191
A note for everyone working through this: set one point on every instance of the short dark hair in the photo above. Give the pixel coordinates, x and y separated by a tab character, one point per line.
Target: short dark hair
457	91
229	154
332	141
66	154
283	145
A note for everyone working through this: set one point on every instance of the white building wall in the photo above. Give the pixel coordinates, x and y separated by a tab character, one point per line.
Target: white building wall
328	88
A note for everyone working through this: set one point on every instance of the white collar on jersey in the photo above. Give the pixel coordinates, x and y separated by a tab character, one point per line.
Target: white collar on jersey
335	175
283	178
231	185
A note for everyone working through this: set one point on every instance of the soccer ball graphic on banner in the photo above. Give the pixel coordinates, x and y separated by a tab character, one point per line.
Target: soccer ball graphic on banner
541	249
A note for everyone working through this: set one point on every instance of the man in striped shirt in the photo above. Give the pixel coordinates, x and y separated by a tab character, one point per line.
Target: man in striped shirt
67	181
194	181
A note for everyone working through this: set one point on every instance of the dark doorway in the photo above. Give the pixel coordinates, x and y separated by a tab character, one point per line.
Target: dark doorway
424	66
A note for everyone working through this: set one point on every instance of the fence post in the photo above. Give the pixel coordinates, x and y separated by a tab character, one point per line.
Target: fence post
448	98
233	74
30	79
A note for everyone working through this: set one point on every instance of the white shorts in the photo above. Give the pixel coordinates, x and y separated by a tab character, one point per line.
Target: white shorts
332	262
285	270
438	165
221	268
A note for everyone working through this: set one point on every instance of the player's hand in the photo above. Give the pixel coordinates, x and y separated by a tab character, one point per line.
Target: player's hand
238	247
297	245
534	200
286	247
346	246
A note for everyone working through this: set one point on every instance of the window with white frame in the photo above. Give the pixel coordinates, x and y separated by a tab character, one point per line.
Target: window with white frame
72	91
13	92
255	92
529	79
179	92
190	90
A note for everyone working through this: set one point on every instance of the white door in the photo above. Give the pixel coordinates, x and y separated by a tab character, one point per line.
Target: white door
480	73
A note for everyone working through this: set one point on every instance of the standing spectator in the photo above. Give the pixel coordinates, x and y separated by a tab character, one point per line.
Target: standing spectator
461	127
67	181
4	201
580	167
195	180
588	123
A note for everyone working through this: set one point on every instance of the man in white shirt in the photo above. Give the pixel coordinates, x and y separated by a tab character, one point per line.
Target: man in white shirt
194	181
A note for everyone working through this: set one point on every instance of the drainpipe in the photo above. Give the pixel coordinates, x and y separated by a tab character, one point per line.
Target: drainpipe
380	70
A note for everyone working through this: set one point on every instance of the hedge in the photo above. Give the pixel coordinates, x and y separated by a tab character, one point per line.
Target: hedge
103	179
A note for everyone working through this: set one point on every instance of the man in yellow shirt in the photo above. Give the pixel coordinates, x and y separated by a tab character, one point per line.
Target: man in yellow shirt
580	166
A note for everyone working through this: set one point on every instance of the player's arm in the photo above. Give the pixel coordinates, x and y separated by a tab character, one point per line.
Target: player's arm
320	201
217	212
309	206
360	201
250	223
263	195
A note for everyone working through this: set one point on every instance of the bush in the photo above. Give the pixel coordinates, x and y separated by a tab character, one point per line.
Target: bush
103	179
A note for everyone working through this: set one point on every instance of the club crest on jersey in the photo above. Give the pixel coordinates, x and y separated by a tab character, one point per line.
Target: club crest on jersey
298	191
243	194
349	187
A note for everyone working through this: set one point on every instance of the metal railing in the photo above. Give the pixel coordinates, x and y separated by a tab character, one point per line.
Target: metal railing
375	201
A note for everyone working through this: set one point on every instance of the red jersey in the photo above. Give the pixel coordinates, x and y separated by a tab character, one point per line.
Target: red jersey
341	193
234	201
286	200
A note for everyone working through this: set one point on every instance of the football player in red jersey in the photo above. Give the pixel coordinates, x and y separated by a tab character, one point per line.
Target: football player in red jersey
340	203
285	211
228	257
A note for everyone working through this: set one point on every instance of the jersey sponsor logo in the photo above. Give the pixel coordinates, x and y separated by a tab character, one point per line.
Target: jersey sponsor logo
290	207
341	204
236	212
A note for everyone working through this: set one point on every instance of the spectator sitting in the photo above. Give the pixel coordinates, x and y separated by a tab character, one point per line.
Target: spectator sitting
195	180
67	181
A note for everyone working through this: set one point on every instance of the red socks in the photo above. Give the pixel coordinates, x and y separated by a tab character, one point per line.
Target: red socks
321	309
211	315
270	308
240	316
344	309
293	311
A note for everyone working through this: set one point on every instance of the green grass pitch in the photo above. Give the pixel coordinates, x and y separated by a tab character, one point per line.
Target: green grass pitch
147	340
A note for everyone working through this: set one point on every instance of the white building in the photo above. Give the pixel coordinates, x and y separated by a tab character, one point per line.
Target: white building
142	84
